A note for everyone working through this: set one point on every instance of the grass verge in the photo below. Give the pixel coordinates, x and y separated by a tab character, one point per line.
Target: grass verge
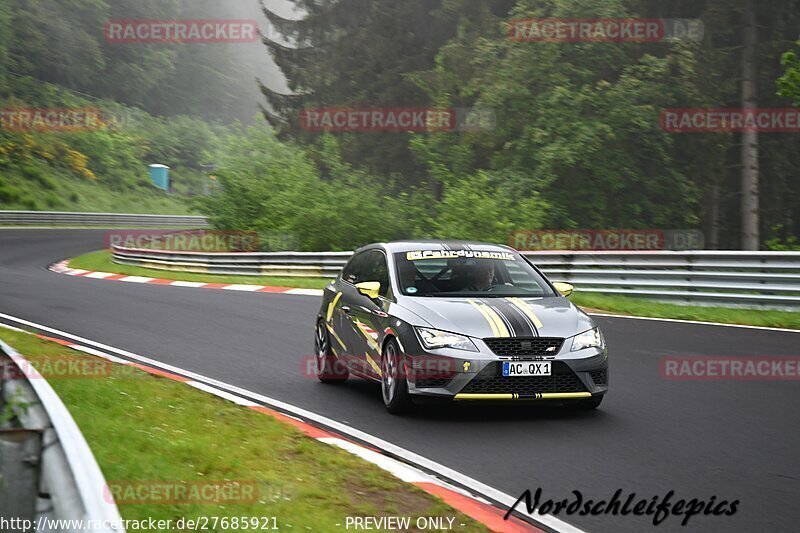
101	261
48	189
726	315
153	431
597	302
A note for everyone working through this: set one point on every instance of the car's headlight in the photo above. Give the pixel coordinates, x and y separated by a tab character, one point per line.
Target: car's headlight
433	339
588	339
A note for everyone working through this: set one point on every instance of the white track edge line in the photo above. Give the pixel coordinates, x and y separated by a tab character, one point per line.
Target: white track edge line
476	486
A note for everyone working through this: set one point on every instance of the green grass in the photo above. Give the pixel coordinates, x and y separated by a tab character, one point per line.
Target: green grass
727	315
101	261
58	191
148	429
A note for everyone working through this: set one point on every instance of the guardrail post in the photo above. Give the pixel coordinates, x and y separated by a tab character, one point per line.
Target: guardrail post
20	458
20	453
690	260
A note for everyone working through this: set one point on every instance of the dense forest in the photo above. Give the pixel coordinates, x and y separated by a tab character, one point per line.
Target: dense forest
576	139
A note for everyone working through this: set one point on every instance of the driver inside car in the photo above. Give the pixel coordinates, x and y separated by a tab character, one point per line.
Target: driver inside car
478	278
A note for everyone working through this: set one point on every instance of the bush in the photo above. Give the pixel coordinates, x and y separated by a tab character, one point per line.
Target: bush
274	188
9	194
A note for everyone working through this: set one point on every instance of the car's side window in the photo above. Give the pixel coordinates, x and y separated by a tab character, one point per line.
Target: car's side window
354	268
376	269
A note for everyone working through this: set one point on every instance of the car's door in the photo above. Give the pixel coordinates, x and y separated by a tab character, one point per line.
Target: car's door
348	342
369	316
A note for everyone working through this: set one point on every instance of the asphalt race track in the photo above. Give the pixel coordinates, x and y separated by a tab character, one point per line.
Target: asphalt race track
729	439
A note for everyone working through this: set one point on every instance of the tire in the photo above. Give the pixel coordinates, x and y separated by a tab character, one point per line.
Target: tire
329	368
394	386
588	405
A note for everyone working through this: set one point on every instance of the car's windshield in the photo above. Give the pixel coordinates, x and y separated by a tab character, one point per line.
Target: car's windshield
468	273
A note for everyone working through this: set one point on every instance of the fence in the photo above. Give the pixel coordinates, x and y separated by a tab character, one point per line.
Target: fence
65	218
759	279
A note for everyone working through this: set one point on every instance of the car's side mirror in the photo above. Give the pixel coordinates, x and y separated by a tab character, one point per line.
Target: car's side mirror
370	289
564	288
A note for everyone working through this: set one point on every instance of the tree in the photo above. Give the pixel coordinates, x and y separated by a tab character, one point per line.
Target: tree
577	123
356	54
750	167
789	82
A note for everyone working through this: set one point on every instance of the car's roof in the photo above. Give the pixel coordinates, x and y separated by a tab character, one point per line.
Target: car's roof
407	246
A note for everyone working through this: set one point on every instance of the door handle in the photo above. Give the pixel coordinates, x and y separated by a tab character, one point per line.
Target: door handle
346	309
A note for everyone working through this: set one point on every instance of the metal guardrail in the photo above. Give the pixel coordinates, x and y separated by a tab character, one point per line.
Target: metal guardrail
283	264
67	218
752	279
67	483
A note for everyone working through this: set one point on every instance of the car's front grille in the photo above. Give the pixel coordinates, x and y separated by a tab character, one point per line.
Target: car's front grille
491	381
600	377
524	346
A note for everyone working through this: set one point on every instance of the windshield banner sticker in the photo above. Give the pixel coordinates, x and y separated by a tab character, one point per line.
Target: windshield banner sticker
455	254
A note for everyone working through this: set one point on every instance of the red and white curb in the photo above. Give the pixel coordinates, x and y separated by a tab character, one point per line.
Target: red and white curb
63	268
376	451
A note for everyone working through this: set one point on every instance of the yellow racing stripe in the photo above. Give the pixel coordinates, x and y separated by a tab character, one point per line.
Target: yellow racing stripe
515	396
370	340
373	364
523	306
335	336
331	307
501	326
486	316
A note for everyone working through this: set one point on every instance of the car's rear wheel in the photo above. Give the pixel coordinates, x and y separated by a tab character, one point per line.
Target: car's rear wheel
394	387
329	368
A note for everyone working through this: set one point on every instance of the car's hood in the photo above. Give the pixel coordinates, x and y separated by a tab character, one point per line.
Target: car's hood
494	317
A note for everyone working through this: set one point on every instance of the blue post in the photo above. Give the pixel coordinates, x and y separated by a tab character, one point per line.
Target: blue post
159	174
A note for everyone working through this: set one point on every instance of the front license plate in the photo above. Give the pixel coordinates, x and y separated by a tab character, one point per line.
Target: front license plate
526	368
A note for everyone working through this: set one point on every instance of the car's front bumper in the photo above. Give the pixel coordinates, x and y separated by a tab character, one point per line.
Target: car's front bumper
476	376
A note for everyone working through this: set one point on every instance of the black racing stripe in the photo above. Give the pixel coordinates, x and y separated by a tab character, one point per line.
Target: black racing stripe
528	322
527	319
526	329
522	328
453	245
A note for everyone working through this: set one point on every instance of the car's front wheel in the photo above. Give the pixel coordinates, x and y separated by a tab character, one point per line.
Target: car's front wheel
394	387
329	368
